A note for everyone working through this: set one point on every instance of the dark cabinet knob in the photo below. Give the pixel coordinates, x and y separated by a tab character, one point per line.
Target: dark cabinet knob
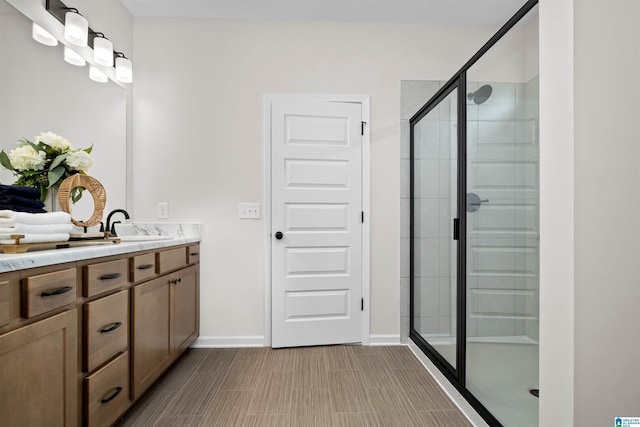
279	235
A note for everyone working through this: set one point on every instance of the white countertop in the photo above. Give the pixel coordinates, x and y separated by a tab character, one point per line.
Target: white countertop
181	234
12	262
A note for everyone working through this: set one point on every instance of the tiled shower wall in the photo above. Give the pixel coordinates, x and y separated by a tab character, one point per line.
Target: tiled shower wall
413	95
503	236
503	274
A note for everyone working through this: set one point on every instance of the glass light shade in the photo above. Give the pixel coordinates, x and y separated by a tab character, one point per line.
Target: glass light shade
124	70
41	35
73	58
97	75
76	29
103	51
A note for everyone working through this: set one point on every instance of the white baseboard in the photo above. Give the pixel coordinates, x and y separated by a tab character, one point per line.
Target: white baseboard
258	341
229	342
464	406
384	339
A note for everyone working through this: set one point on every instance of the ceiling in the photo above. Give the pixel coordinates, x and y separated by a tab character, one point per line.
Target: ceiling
457	12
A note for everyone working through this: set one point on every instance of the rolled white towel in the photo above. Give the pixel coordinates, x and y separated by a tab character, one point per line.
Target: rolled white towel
36	229
35	238
10	218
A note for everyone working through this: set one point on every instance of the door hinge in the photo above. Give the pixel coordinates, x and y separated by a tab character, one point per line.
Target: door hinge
361	304
362	128
362	217
456	228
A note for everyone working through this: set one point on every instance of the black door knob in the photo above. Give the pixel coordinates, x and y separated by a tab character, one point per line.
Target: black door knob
279	235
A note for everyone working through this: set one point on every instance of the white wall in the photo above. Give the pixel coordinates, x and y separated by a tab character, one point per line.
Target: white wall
607	202
589	89
556	213
199	85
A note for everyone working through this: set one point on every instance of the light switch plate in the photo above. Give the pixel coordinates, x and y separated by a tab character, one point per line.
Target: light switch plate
249	211
163	210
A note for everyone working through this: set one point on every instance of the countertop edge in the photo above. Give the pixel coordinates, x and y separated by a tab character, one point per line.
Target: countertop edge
13	262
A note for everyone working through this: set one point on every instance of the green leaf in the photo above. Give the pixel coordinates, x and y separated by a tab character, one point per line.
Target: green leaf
43	193
88	149
55	174
4	161
58	160
76	194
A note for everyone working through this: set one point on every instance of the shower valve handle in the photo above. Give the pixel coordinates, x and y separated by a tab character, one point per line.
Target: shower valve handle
478	203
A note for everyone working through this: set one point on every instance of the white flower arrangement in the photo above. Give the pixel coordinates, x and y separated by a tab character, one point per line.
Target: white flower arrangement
46	162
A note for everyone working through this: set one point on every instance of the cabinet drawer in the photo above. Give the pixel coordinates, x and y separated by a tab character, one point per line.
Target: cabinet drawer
107	393
193	254
46	292
5	304
143	267
103	277
106	327
171	259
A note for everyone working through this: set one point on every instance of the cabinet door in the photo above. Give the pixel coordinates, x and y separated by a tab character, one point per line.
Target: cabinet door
150	343
185	313
38	364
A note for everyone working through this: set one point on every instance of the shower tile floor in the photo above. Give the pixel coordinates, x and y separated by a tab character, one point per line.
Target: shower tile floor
500	375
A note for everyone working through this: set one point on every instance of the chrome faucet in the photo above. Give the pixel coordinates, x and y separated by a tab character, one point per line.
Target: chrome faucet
112	230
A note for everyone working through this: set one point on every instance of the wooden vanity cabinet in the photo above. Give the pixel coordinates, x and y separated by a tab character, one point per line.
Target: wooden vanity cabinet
106	393
106	329
81	341
150	345
38	365
47	292
5	303
104	277
164	322
185	313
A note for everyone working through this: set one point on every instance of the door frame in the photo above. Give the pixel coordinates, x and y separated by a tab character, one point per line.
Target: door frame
364	101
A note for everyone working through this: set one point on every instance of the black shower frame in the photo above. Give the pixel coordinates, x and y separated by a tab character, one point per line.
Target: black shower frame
457	375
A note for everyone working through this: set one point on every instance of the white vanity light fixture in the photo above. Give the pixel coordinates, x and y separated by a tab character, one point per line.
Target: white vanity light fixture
76	28
41	35
102	50
96	75
124	68
73	58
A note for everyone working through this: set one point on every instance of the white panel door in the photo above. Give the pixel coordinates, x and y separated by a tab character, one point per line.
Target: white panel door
316	233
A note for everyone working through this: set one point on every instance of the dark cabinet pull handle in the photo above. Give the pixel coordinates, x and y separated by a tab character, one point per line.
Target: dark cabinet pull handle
113	396
110	276
145	266
60	291
194	253
111	328
175	281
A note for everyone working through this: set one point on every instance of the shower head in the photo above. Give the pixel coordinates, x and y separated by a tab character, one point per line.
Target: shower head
481	95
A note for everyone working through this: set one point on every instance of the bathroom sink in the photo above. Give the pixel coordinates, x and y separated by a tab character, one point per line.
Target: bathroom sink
143	238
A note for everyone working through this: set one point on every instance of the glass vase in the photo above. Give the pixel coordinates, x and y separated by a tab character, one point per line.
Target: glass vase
51	203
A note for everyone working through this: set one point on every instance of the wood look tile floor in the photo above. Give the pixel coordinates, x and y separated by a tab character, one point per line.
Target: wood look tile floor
332	386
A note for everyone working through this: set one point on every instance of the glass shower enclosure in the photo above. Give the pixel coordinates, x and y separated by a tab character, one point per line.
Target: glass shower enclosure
475	226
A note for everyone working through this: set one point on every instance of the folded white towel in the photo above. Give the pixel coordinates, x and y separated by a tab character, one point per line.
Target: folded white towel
10	218
36	238
36	229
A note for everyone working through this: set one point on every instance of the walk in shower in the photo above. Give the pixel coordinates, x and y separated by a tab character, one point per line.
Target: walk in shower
475	226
